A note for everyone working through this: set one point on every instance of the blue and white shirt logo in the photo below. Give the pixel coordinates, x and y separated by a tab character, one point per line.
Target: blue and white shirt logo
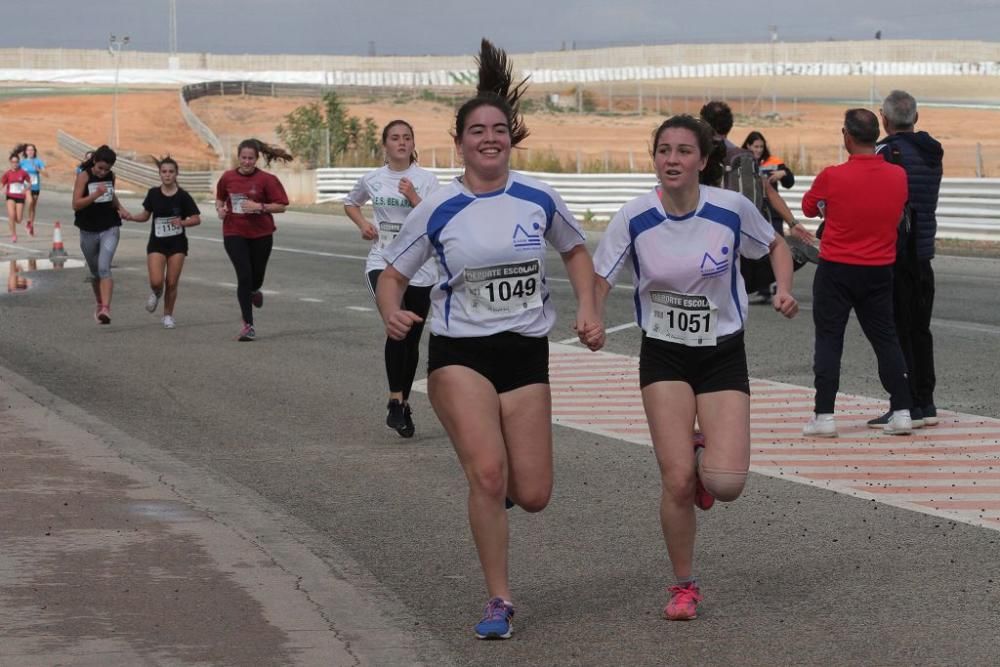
711	267
523	240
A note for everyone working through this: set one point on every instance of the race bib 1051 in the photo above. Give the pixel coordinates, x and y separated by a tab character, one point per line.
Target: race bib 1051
688	319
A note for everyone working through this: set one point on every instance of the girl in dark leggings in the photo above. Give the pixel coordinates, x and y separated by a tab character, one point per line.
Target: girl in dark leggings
394	189
246	199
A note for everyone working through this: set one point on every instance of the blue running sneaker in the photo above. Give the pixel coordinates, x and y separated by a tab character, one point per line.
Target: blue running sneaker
497	622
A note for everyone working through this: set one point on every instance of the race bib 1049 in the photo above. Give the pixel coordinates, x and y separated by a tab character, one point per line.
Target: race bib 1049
166	227
504	289
15	188
34	179
688	319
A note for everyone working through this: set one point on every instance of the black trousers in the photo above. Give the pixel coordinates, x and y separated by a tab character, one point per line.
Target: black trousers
403	356
249	258
837	288
913	303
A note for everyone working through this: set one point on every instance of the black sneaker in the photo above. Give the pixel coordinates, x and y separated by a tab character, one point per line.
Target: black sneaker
396	418
916	417
408	428
930	415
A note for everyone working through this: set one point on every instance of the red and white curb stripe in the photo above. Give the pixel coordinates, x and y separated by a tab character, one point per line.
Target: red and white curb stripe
951	470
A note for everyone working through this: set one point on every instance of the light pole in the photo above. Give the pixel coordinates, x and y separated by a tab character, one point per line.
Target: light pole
877	51
173	28
773	29
115	46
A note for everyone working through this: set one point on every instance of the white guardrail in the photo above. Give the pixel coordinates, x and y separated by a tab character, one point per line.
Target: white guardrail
968	208
137	172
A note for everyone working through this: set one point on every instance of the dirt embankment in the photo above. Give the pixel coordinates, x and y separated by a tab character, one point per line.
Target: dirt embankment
150	123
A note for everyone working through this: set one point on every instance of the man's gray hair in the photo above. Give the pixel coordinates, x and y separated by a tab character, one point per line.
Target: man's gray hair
900	109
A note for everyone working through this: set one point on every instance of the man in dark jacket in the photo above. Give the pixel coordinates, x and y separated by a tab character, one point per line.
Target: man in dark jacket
913	285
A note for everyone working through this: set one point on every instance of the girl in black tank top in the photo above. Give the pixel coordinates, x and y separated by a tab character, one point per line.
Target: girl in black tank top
98	215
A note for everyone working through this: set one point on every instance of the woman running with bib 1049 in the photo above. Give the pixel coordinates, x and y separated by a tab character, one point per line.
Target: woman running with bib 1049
173	210
99	216
394	190
488	366
246	199
683	241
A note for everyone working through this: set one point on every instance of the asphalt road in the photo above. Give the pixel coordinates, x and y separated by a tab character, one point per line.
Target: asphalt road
293	422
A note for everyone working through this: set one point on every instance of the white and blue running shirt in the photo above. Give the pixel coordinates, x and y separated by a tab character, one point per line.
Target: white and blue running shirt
390	208
491	251
686	269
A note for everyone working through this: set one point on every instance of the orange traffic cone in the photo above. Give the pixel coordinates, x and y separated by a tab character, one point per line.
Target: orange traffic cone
57	243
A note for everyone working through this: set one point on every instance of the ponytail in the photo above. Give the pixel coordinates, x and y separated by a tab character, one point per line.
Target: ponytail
269	152
496	88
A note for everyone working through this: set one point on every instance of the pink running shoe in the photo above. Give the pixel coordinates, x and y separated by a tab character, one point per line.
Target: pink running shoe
702	498
257	299
683	605
104	314
31	227
13	238
247	333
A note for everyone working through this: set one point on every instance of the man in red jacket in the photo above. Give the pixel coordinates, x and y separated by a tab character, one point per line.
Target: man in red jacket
862	202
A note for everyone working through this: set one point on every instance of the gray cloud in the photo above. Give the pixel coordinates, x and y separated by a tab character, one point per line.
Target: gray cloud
442	27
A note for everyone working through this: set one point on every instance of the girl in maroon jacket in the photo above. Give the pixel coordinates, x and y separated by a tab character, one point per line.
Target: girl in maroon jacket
16	185
246	199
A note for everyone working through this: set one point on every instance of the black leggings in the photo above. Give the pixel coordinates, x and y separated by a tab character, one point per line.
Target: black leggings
402	356
249	258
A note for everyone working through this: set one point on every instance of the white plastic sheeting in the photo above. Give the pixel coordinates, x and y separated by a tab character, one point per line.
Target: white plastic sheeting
467	77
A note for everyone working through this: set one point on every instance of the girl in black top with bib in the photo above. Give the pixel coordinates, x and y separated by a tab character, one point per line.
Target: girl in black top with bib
172	210
99	216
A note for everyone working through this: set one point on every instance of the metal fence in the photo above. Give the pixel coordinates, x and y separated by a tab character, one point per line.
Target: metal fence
198	182
968	208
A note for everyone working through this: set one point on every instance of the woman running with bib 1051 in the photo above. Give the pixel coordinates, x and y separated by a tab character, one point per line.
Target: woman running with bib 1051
246	199
173	210
394	190
17	185
99	216
488	366
683	242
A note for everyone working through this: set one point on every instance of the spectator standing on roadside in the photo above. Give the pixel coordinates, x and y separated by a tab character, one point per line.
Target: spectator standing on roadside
863	201
920	156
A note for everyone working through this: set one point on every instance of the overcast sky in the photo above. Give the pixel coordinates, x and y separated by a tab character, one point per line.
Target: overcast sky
454	27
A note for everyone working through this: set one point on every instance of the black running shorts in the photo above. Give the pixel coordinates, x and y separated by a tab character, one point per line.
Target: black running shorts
706	369
508	360
168	246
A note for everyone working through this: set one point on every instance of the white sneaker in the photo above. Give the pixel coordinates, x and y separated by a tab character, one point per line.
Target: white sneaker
168	322
151	301
900	423
820	426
